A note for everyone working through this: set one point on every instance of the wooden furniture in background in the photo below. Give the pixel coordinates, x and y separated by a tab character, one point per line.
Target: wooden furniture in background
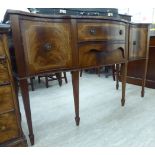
50	77
138	52
46	44
11	133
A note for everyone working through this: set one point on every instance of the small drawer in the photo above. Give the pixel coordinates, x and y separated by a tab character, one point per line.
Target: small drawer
6	99
8	127
2	51
4	74
101	54
101	31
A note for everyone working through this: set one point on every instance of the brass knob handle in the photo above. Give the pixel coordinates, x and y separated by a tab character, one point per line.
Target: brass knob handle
48	47
3	128
120	32
92	31
134	42
3	60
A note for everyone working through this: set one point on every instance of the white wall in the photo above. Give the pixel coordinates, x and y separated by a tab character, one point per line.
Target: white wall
140	15
3	10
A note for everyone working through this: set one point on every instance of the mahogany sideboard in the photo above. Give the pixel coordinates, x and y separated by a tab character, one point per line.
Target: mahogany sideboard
50	43
11	133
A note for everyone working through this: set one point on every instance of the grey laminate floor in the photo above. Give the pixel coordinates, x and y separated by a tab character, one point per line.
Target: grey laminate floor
103	121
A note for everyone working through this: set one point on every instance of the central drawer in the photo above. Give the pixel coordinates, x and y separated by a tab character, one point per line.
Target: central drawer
95	54
8	127
6	99
101	31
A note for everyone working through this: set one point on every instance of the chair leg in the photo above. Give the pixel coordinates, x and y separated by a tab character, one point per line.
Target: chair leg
124	74
58	75
98	71
46	81
39	79
65	77
31	83
81	73
113	72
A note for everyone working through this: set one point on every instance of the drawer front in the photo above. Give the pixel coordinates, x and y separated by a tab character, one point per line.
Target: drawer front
8	127
101	54
4	74
101	31
6	99
2	51
138	42
47	45
152	41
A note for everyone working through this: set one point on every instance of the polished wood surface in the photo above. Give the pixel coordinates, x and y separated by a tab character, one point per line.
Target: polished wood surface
8	127
6	99
107	30
4	75
95	54
19	142
138	41
10	121
49	46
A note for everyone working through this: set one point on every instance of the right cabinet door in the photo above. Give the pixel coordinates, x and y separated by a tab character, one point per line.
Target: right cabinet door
138	36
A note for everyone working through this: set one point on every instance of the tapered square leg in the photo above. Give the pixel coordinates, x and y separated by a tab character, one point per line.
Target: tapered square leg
144	78
75	83
26	101
124	74
117	76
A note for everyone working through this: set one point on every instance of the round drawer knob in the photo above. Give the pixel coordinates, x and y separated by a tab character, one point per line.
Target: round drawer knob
120	32
134	42
92	31
47	47
3	128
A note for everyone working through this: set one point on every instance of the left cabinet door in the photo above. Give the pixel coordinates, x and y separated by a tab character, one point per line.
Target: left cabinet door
47	45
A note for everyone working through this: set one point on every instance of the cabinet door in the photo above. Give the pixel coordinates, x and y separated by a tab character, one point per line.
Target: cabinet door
138	42
47	45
